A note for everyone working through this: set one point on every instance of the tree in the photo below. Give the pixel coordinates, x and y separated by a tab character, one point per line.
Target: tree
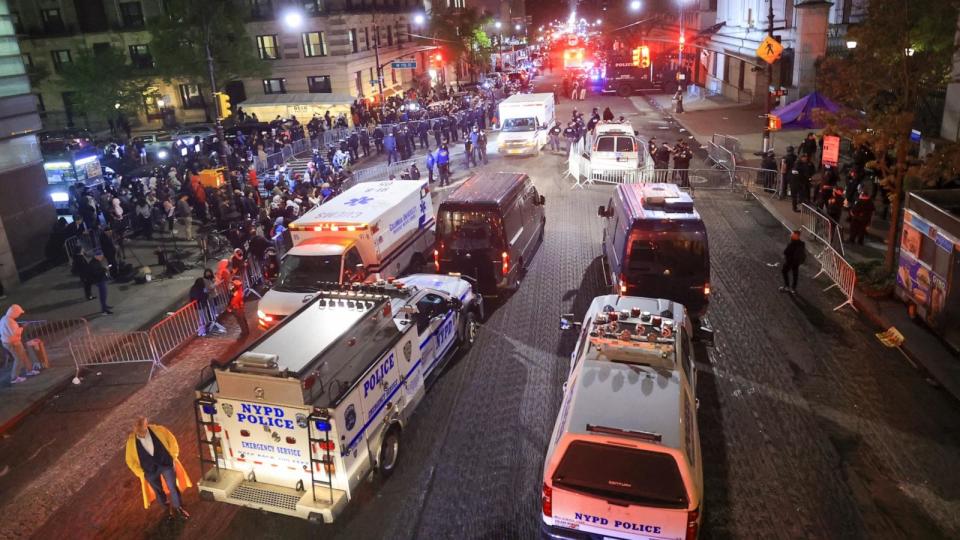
188	30
104	84
460	32
904	53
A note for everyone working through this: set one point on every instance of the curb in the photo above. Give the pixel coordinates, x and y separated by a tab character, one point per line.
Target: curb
15	419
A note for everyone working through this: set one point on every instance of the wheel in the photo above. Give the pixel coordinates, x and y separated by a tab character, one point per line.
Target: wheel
389	453
417	262
469	332
624	90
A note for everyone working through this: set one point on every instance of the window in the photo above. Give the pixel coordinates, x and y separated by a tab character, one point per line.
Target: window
393	75
60	58
319	84
131	14
261	9
311	7
389	35
366	38
429	307
52	21
140	56
353	269
358	81
274	86
267	47
352	38
190	96
101	48
27	60
314	44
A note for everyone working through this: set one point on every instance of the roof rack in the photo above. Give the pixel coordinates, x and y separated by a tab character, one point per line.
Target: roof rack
368	291
633	335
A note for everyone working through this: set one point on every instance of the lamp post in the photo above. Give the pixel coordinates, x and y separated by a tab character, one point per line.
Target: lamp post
499	27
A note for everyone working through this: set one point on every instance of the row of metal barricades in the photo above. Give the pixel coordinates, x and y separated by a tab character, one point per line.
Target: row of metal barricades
824	238
90	348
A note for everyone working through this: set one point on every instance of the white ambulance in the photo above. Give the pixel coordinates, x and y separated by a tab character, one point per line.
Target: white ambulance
374	230
624	458
294	423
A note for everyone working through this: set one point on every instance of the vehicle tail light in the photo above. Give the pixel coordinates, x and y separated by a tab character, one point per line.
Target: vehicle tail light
621	285
308	381
436	259
693	526
326	445
244	433
706	289
546	501
505	265
291	440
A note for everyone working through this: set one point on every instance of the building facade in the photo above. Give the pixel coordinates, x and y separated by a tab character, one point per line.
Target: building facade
26	212
808	29
333	50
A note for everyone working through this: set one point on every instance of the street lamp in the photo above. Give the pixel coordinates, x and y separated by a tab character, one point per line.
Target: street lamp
293	19
419	19
598	22
635	5
851	44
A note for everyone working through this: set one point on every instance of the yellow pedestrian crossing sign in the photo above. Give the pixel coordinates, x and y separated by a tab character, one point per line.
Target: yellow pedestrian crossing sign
769	50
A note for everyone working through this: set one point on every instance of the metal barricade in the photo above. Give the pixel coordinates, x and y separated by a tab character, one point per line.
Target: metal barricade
72	245
381	172
175	329
55	335
114	348
728	142
839	271
821	227
721	156
753	179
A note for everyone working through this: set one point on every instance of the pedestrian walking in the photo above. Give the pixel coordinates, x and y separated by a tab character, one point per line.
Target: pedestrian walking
678	100
793	256
235	307
555	133
152	454
11	337
482	146
97	272
184	215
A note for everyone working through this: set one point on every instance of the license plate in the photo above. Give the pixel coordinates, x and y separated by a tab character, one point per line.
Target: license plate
516	151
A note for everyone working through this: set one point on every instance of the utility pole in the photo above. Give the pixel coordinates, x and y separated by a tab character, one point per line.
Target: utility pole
376	54
766	117
218	125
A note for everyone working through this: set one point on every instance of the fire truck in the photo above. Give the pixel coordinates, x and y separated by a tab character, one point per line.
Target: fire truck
299	419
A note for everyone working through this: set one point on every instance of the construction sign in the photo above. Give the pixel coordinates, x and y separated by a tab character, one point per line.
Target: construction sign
770	50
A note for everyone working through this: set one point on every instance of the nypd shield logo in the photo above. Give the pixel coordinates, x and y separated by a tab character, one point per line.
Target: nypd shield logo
408	350
228	410
302	420
350	417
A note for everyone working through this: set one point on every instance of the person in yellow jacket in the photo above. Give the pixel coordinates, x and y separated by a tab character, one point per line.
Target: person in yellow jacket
152	456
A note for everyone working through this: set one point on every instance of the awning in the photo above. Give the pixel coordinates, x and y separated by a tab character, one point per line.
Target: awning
303	106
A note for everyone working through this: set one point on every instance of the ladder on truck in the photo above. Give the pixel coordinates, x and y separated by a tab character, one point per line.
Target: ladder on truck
320	423
208	407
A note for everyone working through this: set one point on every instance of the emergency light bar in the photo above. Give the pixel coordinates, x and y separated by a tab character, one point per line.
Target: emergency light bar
636	434
332	227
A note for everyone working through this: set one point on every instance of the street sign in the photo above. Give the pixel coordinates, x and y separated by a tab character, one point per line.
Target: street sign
831	149
404	64
769	50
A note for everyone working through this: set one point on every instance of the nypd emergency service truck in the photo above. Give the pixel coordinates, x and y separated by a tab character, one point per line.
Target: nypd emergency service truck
296	421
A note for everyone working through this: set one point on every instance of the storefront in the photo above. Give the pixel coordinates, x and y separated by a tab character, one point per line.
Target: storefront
303	106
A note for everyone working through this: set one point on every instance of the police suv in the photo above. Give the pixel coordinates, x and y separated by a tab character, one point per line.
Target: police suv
296	421
624	457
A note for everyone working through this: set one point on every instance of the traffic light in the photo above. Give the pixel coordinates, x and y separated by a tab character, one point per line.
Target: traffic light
682	41
774	123
644	56
637	57
223	104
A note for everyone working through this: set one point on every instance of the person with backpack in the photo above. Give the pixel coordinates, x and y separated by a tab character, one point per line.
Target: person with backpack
794	255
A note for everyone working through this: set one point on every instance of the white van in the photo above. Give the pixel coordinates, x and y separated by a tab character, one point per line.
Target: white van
624	458
374	230
525	120
615	147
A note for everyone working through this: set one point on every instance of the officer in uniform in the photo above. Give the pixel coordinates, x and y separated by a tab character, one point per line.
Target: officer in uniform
681	163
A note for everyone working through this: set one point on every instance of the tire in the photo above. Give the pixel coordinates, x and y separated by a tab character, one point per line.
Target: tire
389	453
469	332
624	90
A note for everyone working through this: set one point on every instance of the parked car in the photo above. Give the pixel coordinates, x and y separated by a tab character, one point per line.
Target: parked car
159	144
187	134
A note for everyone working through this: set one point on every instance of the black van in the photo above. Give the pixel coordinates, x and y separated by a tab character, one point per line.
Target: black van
489	228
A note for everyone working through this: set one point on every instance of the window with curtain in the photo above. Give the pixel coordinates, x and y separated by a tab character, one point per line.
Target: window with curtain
314	44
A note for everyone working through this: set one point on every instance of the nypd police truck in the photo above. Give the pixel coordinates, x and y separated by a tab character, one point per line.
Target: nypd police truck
295	422
624	458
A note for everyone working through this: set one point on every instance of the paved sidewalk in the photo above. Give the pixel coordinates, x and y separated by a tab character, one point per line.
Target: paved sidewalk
57	295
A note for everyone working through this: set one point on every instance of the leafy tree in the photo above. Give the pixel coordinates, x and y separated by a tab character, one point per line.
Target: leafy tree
104	83
189	29
904	53
460	33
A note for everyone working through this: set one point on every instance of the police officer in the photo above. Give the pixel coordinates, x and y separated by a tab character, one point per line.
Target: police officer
800	181
555	133
364	140
423	130
786	171
443	164
378	139
681	163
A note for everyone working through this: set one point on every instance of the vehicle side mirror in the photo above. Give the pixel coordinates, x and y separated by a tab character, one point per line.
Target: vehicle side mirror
543	200
454	304
703	335
567	322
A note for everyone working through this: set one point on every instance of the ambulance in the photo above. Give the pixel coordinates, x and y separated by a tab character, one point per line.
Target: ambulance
295	423
624	457
374	230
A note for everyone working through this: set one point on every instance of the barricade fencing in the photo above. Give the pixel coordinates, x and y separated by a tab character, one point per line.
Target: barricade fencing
756	180
729	143
721	156
821	227
840	271
114	348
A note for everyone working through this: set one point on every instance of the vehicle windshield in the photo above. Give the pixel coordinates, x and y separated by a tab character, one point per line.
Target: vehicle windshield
467	229
676	254
617	473
519	124
300	273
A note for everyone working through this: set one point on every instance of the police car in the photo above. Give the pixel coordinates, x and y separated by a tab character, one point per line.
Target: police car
296	421
624	457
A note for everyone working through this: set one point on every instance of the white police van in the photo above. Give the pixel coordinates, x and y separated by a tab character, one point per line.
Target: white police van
624	458
296	421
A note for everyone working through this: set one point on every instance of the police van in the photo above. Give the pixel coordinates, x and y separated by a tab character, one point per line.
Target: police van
617	147
655	244
624	457
295	422
374	230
